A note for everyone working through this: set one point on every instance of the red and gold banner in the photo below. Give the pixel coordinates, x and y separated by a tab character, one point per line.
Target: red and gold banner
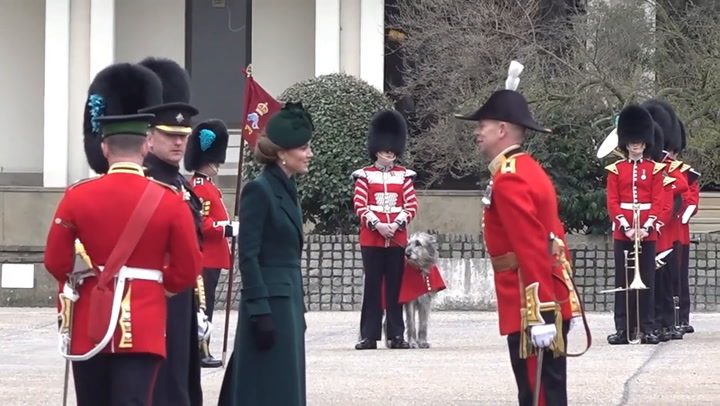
258	106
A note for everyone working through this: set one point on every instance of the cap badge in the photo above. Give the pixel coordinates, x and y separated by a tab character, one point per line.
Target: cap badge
179	118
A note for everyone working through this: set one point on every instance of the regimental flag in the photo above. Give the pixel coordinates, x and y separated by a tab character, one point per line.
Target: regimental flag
258	106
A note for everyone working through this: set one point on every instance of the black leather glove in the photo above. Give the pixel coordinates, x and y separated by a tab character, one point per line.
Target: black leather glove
263	331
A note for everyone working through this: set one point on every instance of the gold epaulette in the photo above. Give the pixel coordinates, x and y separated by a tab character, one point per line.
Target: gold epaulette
613	168
685	167
167	185
674	165
83	181
658	167
668	180
509	165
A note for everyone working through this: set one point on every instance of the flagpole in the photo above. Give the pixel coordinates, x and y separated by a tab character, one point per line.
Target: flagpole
233	243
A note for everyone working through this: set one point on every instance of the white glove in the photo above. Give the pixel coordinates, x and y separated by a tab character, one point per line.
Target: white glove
542	336
575	322
235	227
204	326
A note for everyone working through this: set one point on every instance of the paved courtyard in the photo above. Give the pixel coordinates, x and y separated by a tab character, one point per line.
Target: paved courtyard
467	364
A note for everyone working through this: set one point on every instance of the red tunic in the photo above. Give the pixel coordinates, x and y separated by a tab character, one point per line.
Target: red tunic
665	236
532	287
673	169
691	199
216	251
415	284
634	182
384	196
95	211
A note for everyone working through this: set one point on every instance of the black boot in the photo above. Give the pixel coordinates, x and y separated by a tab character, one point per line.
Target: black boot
649	338
676	333
366	344
399	343
618	338
686	327
207	360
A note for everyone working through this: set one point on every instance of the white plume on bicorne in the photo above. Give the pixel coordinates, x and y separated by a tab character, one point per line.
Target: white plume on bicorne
514	72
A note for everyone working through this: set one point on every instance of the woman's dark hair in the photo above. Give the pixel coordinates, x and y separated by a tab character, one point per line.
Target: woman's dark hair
266	151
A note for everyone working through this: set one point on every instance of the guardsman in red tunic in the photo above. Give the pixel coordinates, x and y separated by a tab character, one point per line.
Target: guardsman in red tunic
207	147
385	202
691	200
635	188
137	243
525	240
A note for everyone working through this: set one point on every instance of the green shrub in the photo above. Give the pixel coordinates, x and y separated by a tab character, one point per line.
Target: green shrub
341	107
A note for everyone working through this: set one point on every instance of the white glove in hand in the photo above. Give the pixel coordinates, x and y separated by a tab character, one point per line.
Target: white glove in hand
542	336
204	326
235	227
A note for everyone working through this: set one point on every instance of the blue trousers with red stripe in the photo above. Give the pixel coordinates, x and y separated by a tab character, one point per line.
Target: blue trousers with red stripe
553	389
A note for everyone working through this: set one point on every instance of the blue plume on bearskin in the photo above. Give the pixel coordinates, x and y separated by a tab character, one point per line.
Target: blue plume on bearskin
207	144
119	89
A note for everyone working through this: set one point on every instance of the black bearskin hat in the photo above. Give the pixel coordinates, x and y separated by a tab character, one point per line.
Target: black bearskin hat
683	136
387	132
207	144
656	152
672	132
173	114
118	90
635	124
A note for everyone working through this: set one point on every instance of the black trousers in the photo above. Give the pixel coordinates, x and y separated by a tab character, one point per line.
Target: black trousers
211	276
116	379
646	296
553	391
379	263
685	285
664	305
178	380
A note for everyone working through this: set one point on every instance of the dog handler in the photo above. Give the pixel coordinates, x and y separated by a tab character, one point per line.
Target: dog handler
384	200
525	239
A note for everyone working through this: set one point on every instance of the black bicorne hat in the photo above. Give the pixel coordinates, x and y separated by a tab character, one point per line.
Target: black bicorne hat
114	98
635	124
207	144
509	106
173	115
387	132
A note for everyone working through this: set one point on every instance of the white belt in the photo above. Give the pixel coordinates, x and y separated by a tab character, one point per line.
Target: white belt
631	206
382	209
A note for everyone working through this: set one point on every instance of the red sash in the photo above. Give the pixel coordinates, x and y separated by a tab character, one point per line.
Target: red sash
101	297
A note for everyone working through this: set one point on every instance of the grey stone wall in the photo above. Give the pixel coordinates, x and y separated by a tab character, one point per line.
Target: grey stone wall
333	275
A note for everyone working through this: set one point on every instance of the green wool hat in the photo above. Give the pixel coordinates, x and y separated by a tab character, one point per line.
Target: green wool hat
291	127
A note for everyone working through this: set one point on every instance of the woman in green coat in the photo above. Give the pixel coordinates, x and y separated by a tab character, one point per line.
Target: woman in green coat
267	367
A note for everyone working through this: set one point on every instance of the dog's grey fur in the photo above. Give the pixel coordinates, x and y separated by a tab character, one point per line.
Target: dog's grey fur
421	254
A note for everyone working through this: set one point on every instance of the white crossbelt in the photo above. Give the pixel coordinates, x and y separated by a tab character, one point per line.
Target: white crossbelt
631	206
381	209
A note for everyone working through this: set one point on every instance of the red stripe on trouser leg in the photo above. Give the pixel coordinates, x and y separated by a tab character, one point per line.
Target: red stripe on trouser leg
532	371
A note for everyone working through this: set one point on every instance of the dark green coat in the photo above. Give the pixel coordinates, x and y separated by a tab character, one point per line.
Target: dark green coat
270	244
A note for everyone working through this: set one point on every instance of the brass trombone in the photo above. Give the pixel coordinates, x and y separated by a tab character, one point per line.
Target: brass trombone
637	283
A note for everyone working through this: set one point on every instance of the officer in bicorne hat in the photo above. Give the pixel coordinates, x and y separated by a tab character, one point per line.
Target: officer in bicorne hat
525	240
116	354
206	151
178	381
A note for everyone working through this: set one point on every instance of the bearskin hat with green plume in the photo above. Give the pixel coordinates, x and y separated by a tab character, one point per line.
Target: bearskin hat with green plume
119	89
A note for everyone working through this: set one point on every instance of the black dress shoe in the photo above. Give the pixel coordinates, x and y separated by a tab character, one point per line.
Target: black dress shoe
210	362
398	343
618	338
649	338
686	328
663	334
366	344
676	333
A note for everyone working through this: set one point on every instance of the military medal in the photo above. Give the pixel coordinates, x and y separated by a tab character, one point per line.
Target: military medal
487	197
643	177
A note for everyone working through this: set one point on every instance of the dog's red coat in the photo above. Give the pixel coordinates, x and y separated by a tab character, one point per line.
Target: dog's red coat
414	284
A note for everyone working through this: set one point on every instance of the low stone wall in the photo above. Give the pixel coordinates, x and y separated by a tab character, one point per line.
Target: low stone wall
333	275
